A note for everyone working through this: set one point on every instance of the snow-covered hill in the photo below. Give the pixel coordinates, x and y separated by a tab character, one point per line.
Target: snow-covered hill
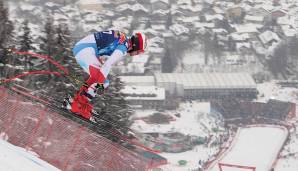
14	158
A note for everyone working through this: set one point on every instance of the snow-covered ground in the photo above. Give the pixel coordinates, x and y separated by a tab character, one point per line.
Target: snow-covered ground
195	119
13	158
271	90
290	164
254	147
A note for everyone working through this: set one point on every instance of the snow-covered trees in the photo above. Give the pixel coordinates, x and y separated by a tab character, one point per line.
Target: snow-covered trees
48	43
113	106
6	26
6	29
26	43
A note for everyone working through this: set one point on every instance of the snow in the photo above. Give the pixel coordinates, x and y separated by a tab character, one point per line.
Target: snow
270	90
164	1
268	36
253	146
14	158
143	58
289	32
179	29
138	81
135	7
134	68
286	20
220	30
240	37
248	28
184	2
122	23
27	7
51	4
202	25
195	120
194	57
137	92
287	165
213	17
254	18
189	123
192	157
241	45
161	12
92	2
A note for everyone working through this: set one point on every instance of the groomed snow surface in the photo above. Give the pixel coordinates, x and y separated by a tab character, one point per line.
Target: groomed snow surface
256	146
13	158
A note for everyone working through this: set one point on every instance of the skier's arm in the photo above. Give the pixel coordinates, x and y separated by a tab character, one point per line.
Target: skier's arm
116	56
100	74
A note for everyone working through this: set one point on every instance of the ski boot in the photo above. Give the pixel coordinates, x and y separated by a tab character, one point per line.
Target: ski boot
79	104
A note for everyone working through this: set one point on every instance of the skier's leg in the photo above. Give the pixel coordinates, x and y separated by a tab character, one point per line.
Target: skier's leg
86	58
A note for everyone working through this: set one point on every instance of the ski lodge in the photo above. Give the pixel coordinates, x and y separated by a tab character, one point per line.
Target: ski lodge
193	86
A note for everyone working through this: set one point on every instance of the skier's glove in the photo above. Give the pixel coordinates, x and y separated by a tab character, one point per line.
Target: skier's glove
101	87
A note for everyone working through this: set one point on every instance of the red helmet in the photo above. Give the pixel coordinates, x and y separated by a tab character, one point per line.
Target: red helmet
138	43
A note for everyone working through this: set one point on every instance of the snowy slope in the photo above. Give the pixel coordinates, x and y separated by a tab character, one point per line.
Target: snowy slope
253	147
13	158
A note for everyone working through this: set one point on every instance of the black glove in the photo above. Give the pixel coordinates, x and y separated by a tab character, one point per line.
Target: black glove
100	88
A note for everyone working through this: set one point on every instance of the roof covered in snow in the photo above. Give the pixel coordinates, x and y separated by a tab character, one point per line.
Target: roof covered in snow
247	28
254	18
144	93
135	7
179	29
268	36
207	80
84	2
164	1
138	80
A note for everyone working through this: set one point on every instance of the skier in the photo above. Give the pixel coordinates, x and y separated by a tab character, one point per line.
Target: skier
96	54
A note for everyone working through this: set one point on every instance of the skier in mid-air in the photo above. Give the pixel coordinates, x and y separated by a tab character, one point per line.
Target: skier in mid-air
96	54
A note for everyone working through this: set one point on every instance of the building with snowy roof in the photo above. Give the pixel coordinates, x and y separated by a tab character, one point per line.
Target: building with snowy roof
207	85
199	85
138	80
145	96
254	19
91	5
268	37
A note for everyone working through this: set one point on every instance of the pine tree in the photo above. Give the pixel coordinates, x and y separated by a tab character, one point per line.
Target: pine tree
63	55
48	42
26	43
6	26
6	29
113	105
47	47
64	47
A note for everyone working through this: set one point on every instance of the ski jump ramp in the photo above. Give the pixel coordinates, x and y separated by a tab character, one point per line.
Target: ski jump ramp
254	148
